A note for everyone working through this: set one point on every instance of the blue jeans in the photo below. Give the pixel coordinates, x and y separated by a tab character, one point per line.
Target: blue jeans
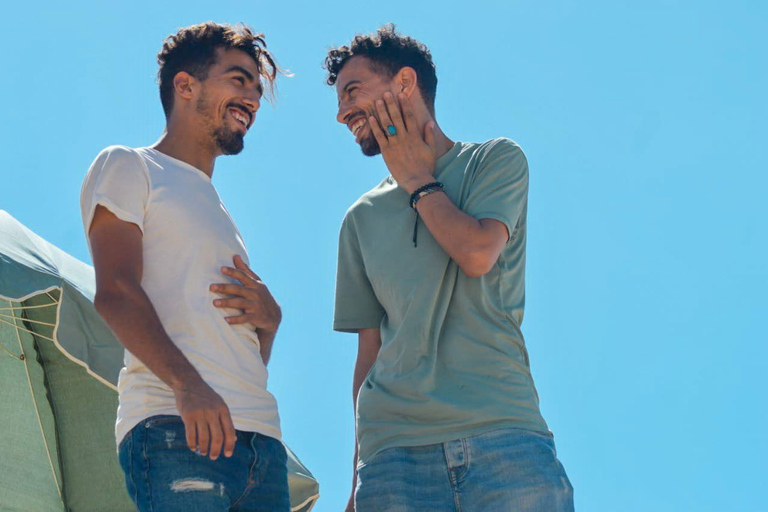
506	470
163	475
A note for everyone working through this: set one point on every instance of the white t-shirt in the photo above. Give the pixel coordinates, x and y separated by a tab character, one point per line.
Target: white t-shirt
188	236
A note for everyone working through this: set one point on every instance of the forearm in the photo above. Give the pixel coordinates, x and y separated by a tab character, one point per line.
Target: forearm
369	343
361	370
266	341
466	240
131	316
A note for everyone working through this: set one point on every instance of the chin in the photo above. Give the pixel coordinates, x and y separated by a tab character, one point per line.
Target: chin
370	146
232	149
229	142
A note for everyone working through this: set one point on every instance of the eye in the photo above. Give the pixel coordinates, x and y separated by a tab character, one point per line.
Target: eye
239	80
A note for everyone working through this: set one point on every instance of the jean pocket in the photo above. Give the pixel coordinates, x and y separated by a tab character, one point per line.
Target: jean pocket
162	420
165	433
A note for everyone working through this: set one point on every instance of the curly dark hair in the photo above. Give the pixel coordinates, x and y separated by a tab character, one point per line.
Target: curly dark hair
388	52
193	49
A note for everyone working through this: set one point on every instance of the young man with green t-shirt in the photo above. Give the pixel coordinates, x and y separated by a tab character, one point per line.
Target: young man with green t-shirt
431	277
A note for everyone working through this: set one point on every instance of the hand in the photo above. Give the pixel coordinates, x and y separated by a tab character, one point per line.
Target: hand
207	420
252	297
409	156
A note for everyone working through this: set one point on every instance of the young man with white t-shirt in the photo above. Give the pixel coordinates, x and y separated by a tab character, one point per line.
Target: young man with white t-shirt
194	385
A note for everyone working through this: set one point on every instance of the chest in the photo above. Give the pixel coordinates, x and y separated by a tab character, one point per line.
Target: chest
185	209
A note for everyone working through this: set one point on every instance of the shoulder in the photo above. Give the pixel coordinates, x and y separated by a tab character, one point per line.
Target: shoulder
503	155
371	198
499	146
119	159
118	153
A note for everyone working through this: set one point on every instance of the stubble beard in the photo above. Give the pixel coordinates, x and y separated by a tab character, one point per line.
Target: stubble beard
229	142
370	146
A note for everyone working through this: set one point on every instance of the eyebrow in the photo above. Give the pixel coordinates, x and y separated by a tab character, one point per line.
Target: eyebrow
248	75
351	83
242	70
345	90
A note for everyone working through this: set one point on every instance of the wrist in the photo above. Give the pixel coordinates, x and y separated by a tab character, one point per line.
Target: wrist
266	333
410	185
186	383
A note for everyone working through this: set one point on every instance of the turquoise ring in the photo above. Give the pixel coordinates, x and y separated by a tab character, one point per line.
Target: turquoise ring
392	130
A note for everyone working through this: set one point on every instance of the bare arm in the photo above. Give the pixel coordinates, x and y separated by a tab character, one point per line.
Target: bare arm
122	302
369	343
475	245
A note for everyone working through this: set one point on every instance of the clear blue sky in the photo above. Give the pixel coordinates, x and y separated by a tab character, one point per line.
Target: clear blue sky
645	129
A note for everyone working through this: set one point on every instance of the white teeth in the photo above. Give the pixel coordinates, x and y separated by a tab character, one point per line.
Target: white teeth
239	117
357	126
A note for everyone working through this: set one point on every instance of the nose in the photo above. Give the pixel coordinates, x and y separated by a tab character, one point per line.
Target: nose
253	102
344	109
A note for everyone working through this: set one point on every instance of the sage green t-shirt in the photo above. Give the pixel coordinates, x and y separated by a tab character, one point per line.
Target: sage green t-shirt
452	361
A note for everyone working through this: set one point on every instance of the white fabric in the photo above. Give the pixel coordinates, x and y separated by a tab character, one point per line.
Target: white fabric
188	236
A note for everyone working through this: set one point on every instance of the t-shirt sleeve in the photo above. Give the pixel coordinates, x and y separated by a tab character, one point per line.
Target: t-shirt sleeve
118	181
356	304
500	185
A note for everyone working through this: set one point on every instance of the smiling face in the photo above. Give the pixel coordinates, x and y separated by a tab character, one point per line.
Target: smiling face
358	87
228	100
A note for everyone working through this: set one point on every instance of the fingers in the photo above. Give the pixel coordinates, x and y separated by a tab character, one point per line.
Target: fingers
234	303
190	429
384	117
241	275
230	436
376	129
232	289
203	436
394	113
241	265
242	319
217	437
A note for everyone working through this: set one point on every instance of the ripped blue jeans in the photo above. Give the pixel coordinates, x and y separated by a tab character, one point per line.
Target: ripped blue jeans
163	475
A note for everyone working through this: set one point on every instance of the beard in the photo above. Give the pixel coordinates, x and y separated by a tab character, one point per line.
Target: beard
369	145
229	141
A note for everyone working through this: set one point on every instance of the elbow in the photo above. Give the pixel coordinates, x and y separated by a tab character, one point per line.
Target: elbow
112	297
104	303
477	263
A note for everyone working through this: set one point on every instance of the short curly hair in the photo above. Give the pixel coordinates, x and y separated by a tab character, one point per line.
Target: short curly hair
193	49
388	52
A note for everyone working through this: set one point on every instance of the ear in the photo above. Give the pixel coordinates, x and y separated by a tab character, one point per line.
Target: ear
406	81
184	84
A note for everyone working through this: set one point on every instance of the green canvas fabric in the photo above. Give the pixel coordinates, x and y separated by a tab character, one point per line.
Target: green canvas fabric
27	480
453	361
76	413
76	397
73	360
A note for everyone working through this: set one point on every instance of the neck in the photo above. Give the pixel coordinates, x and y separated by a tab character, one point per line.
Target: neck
443	143
182	143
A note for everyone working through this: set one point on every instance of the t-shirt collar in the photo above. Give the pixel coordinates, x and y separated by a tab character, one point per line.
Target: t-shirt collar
443	162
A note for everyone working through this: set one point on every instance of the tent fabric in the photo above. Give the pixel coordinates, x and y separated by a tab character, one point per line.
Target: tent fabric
59	364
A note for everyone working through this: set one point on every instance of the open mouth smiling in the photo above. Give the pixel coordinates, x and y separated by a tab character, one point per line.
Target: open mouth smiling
240	116
356	125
